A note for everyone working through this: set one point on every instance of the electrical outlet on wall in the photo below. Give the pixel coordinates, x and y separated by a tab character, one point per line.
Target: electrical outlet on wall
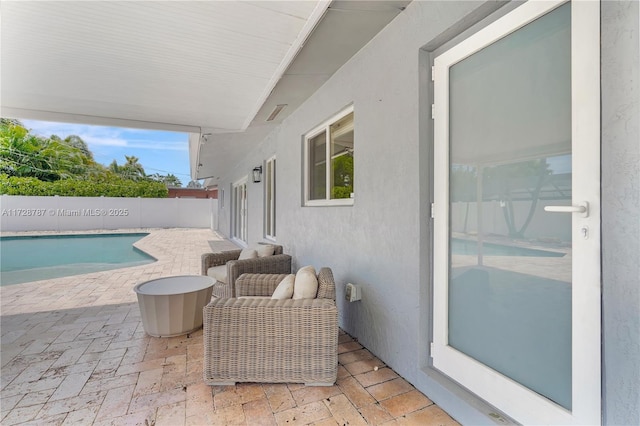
352	292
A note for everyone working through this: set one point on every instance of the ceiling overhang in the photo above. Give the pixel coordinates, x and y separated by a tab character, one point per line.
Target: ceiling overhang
346	27
216	67
152	64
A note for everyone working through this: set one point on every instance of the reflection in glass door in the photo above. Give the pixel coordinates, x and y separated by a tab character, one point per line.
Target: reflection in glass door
510	271
506	246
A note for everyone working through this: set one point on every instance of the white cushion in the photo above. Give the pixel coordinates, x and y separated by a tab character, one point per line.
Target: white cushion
285	288
306	283
248	253
254	297
265	250
218	272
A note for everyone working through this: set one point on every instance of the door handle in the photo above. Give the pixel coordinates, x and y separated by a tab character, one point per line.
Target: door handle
581	208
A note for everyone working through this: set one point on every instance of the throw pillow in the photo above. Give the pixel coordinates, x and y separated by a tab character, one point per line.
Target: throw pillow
248	253
306	283
285	288
265	250
218	272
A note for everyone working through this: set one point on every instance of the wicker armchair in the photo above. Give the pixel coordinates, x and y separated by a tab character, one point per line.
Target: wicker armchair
272	341
278	263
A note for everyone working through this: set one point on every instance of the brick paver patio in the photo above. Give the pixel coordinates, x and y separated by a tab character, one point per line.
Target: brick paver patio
73	351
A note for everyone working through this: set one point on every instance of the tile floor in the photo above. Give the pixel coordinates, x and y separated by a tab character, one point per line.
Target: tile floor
73	352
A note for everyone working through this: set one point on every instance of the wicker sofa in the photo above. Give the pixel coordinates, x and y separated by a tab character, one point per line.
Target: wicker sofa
272	341
278	263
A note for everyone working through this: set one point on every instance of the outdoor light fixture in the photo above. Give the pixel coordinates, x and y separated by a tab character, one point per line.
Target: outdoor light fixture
257	174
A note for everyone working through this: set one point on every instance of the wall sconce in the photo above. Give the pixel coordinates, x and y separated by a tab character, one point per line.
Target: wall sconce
257	174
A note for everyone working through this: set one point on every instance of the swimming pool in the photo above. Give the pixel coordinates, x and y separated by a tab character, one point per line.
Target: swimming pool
32	258
470	247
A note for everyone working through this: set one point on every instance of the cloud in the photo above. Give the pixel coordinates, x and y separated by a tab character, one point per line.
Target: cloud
92	140
163	146
92	135
102	136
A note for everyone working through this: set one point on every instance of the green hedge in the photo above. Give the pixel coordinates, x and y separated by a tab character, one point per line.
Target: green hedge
109	186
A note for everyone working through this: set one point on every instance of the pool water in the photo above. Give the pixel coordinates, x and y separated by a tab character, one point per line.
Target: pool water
469	247
32	258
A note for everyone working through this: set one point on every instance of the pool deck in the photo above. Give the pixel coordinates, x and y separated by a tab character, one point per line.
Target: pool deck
73	351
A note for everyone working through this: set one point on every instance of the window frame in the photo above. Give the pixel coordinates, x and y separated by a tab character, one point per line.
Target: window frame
324	127
270	198
239	211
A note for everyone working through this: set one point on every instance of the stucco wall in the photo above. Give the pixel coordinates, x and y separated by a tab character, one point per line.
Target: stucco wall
265	149
376	242
620	210
382	241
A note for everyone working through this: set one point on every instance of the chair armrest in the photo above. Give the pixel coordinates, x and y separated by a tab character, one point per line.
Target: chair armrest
276	264
258	284
216	259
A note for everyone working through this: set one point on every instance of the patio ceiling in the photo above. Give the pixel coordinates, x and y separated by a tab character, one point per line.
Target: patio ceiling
217	67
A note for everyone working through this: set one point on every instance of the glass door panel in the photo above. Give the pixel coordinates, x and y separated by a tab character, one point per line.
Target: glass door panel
510	261
239	213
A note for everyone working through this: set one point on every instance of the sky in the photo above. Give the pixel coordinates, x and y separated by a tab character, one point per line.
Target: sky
158	151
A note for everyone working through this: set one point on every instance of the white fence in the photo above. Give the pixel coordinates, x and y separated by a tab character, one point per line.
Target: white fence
21	213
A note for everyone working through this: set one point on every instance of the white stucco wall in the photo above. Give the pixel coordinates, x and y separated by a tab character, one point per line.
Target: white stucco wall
19	213
382	242
265	149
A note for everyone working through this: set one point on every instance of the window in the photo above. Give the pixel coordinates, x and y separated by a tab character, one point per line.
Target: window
330	182
239	211
270	199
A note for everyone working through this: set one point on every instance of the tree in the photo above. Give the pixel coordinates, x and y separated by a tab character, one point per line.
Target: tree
170	180
525	179
108	186
194	184
10	122
29	161
131	169
25	155
21	154
342	176
114	168
65	160
77	142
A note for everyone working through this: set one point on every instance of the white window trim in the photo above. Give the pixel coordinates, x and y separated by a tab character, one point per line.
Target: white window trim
234	213
267	207
323	127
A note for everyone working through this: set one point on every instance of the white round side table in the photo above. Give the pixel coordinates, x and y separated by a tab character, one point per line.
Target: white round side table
172	306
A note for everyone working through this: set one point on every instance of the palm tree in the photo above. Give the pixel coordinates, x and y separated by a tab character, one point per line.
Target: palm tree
132	168
114	167
77	142
172	181
21	154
